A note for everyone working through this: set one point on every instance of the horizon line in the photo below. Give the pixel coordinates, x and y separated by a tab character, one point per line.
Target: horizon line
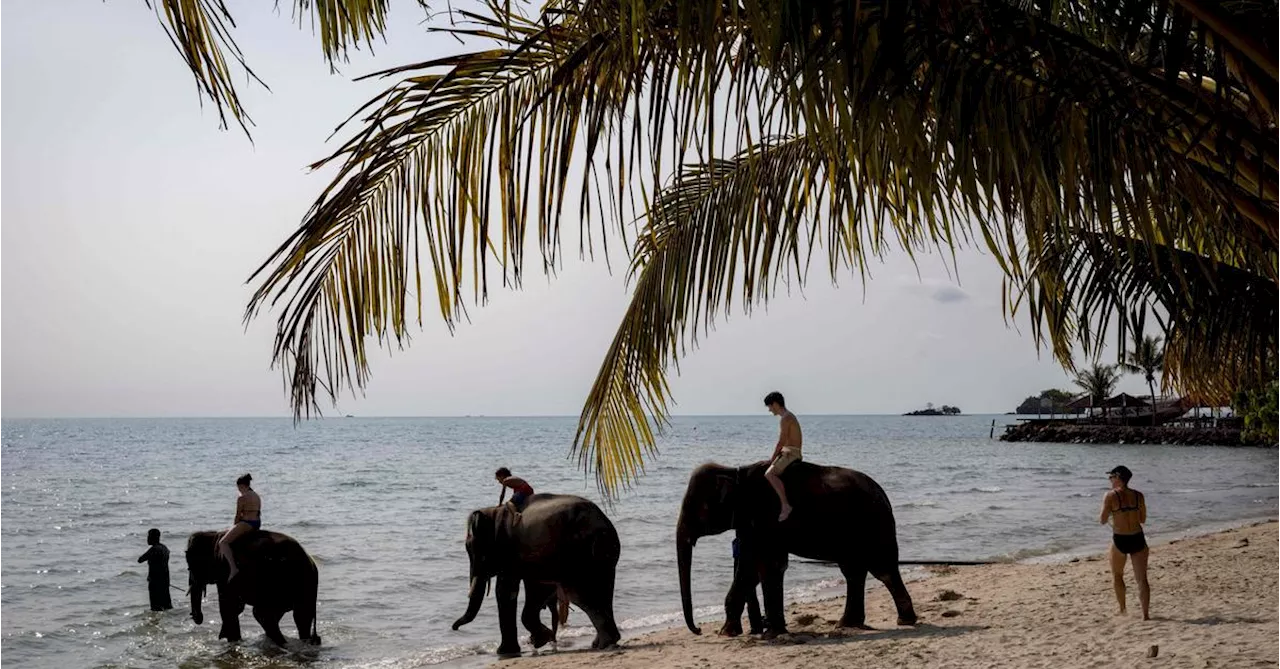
445	416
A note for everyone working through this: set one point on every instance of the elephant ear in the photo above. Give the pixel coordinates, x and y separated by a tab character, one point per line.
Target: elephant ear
481	535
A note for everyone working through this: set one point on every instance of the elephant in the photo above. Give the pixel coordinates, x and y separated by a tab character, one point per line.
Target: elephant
276	575
841	516
556	544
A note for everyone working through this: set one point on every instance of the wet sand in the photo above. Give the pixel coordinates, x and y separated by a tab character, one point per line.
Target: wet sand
1213	604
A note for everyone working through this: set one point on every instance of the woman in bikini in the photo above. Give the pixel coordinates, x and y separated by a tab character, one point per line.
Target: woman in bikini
248	517
1126	508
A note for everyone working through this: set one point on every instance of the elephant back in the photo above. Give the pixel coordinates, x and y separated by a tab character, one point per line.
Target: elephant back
572	521
273	566
852	503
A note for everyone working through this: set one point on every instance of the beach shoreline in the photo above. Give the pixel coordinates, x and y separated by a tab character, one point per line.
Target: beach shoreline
1214	603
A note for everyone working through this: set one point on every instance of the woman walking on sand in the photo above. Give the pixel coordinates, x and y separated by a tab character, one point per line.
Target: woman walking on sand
1126	508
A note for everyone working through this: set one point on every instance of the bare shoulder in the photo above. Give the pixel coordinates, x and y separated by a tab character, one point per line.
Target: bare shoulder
790	419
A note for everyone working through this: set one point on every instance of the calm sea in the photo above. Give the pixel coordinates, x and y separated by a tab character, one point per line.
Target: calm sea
381	504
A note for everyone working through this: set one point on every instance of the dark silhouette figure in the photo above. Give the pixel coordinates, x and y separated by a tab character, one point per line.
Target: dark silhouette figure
157	559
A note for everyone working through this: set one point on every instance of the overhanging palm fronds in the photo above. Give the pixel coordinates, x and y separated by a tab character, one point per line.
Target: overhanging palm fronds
733	229
201	32
1033	124
1219	319
420	179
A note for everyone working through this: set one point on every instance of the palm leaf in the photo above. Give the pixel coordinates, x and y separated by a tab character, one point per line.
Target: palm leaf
201	30
420	179
724	230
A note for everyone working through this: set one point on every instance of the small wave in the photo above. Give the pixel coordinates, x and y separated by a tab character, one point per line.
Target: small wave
916	505
987	488
426	657
1260	485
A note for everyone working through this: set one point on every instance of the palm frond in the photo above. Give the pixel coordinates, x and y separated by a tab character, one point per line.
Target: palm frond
443	167
201	30
725	230
1219	320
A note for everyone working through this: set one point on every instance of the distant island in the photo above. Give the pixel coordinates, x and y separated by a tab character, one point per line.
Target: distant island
930	410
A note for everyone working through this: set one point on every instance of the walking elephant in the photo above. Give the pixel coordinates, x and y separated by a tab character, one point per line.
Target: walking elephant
276	576
840	516
559	542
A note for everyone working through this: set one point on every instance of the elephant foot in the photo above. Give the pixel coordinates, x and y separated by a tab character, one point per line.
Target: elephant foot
509	650
600	642
229	636
732	628
853	624
314	640
908	620
540	638
771	634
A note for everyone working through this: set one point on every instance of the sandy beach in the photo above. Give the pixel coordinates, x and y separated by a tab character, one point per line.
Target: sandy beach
1214	604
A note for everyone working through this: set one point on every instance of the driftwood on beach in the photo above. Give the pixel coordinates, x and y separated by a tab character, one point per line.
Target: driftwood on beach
1068	433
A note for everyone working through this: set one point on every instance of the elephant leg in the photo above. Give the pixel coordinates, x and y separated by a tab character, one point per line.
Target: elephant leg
855	612
742	590
892	579
754	619
771	575
595	598
270	621
537	596
229	607
507	591
304	617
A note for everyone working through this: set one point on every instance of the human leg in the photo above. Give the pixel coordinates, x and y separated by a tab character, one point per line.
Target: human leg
224	546
1117	575
1140	575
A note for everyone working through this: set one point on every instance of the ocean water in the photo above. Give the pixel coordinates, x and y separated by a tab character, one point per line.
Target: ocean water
381	505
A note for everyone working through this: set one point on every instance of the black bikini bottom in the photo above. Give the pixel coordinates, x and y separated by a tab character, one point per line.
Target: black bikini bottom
1129	543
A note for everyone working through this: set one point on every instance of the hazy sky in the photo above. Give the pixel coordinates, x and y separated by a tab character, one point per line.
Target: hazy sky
130	223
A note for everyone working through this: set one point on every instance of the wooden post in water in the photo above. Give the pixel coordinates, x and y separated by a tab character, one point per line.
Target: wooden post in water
993	429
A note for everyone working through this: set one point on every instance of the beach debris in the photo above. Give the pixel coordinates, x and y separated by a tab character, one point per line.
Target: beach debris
950	613
1153	651
1241	543
806	619
948	596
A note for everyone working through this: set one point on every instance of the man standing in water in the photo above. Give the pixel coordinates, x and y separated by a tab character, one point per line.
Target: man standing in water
1126	508
157	559
786	452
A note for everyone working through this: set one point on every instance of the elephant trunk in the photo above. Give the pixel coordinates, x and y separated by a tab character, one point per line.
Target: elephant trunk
197	594
476	597
684	559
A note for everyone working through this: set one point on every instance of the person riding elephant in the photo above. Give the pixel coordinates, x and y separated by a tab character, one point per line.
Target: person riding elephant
840	515
557	543
276	576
